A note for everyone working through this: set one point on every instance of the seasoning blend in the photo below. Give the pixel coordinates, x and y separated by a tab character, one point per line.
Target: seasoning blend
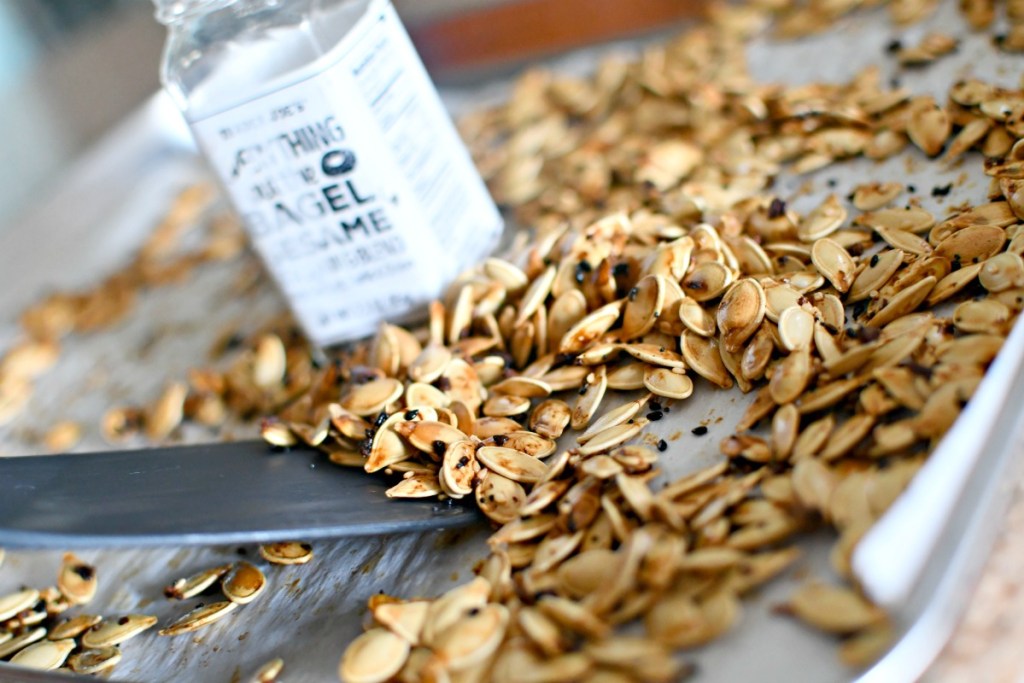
324	128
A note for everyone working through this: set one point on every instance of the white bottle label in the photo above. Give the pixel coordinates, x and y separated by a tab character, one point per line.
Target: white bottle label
354	185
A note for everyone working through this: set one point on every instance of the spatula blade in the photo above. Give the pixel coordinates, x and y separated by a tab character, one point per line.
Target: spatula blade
225	493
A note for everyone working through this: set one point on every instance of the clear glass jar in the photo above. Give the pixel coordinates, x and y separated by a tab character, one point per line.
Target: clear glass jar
325	130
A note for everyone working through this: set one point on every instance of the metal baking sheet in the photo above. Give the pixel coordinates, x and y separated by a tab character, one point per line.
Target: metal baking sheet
115	195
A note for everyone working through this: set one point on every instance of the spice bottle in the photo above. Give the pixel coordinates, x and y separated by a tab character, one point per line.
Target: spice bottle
325	130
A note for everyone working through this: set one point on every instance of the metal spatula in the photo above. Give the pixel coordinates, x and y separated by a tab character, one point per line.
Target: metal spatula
239	492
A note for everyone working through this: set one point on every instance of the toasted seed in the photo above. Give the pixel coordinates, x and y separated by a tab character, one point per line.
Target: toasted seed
416	486
110	633
654	355
985	316
44	656
904	240
499	497
270	364
94	661
430	364
287	552
627	377
21	641
512	464
535	295
530	443
18	601
796	329
878	272
612	418
707	281
644	307
834	262
740	313
791	377
474	638
953	283
872	196
372	397
166	414
197	583
504	405
199	617
244	583
929	128
551	417
589	399
823	220
73	627
459	468
1002	272
973	244
833	609
590	328
668	383
611	437
779	297
703	357
695	318
269	672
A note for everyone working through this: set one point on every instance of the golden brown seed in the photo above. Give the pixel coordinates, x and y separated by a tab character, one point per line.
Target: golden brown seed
550	418
643	307
20	641
94	661
834	262
703	357
668	383
116	631
44	656
269	672
796	329
834	609
73	627
199	617
287	553
18	601
195	584
244	583
740	313
512	464
372	397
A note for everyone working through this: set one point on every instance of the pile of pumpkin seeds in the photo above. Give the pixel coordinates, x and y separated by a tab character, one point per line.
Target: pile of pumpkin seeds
658	255
33	634
659	263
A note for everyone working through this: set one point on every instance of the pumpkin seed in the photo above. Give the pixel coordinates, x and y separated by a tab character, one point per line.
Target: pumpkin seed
94	661
199	617
287	552
44	656
244	583
109	633
21	641
192	586
668	383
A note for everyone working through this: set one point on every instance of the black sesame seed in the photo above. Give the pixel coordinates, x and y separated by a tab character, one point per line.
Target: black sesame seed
439	447
500	439
662	445
874	260
411	414
699	431
776	209
655	415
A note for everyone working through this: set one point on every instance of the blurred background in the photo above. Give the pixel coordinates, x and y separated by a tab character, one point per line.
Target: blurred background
70	69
